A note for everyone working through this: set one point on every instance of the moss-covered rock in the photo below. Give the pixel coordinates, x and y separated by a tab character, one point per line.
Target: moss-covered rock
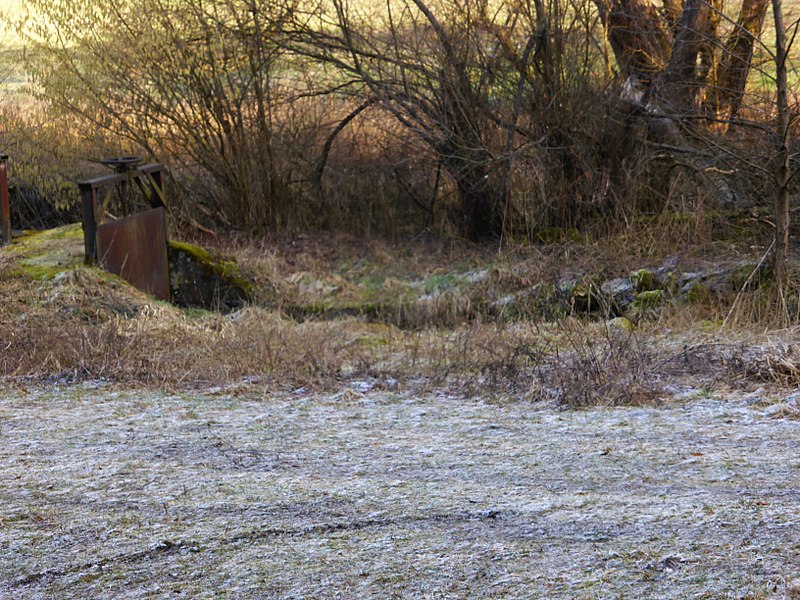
643	280
649	299
646	305
620	291
670	284
584	295
696	292
620	324
709	326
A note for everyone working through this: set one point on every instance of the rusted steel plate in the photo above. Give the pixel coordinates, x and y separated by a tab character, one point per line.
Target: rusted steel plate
135	248
5	209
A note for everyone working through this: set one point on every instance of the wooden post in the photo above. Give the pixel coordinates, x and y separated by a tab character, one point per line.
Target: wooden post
89	201
157	195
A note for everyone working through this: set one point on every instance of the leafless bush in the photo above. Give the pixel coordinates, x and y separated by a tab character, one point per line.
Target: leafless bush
775	362
573	364
207	87
610	369
490	119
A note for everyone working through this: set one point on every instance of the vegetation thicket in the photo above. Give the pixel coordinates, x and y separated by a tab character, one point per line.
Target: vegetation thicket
502	117
589	138
532	120
451	220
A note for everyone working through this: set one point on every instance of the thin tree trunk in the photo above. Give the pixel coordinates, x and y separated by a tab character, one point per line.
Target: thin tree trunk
708	68
782	164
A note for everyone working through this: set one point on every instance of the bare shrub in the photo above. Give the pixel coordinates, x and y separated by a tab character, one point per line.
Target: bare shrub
46	157
87	326
606	368
377	179
774	362
201	88
573	364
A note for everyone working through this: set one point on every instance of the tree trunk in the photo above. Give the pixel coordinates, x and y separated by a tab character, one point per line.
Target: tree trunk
737	56
638	34
679	84
481	200
662	44
708	67
781	250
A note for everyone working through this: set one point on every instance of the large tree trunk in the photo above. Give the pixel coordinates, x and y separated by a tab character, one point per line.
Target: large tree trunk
639	36
674	45
737	56
679	84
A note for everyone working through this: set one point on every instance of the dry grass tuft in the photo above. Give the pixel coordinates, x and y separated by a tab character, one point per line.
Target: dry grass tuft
85	325
775	362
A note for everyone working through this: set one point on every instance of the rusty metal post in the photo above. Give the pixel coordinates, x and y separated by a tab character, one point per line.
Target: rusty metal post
5	209
90	218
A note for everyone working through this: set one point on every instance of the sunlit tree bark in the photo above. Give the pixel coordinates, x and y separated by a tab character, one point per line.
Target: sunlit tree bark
674	51
738	55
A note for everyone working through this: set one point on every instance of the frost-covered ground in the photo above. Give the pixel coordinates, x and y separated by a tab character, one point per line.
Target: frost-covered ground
108	494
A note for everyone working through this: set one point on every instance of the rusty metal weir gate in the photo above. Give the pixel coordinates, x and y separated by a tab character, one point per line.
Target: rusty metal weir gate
5	210
133	246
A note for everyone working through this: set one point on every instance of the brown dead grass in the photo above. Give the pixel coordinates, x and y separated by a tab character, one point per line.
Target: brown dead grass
83	324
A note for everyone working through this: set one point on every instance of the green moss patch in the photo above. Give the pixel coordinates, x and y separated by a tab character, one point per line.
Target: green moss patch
45	254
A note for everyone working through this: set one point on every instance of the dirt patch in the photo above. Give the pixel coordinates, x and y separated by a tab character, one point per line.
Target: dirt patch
361	493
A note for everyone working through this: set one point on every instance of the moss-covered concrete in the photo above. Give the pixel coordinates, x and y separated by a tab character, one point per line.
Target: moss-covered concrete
197	278
200	280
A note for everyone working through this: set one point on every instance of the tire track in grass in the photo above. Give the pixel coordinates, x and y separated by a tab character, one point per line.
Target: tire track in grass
169	547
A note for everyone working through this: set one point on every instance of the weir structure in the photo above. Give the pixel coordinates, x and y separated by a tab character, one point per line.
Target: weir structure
5	209
131	244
